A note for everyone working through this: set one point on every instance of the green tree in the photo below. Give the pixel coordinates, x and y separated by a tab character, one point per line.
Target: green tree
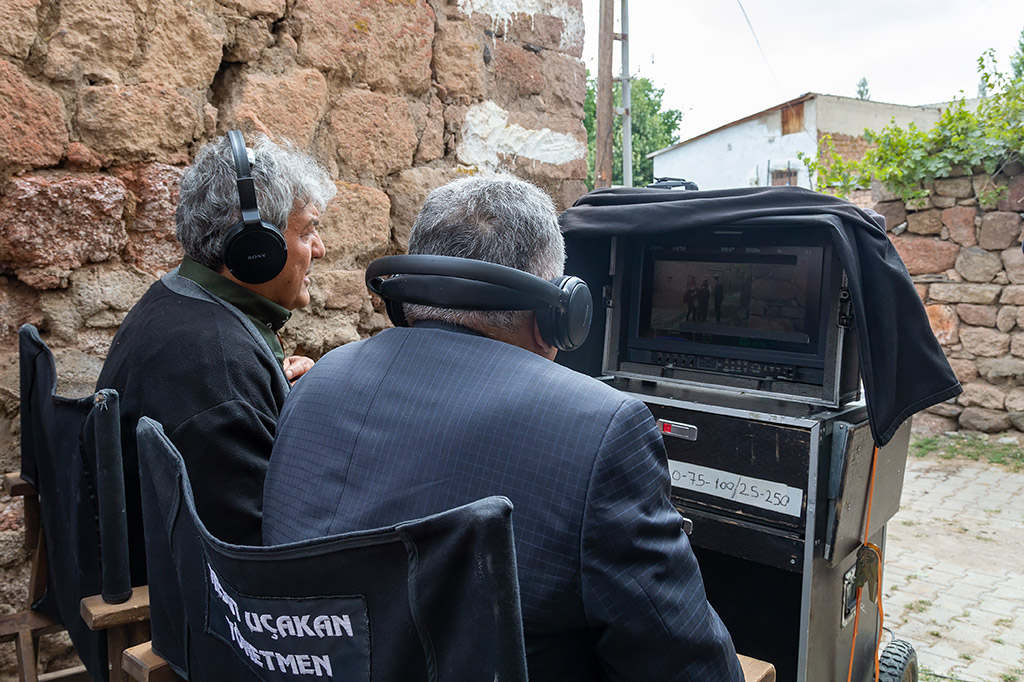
862	89
652	127
1017	59
590	123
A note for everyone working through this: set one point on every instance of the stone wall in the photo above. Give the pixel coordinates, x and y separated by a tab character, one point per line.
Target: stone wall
963	250
104	102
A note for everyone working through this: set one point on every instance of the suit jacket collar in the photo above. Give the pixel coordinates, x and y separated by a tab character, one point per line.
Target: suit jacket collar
447	326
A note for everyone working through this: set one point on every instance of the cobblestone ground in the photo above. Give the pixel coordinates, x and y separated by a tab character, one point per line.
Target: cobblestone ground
954	569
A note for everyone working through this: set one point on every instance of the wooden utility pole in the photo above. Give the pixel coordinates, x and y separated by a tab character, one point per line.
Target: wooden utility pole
603	134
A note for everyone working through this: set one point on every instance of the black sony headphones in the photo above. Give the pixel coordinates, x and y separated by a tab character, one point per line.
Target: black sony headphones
563	305
254	250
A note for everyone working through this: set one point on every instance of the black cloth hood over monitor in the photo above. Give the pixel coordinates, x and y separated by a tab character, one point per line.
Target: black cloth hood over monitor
902	364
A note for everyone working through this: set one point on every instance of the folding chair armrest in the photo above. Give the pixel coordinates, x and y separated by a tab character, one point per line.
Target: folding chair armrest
99	615
755	670
15	486
142	664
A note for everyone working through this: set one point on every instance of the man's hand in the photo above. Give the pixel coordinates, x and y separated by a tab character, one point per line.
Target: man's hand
295	366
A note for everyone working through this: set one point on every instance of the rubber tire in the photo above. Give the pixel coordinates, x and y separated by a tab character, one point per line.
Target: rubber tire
898	662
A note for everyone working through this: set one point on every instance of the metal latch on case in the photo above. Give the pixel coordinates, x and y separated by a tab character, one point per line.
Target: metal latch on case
677	429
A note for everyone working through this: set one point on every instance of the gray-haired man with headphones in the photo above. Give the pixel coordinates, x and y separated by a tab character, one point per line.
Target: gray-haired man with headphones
461	401
199	352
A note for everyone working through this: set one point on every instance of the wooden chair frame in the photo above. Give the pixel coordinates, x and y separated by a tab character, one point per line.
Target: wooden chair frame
126	624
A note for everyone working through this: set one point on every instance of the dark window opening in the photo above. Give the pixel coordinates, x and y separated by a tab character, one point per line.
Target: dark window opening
784	177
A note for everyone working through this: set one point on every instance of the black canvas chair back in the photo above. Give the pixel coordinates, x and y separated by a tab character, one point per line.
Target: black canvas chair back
436	599
71	455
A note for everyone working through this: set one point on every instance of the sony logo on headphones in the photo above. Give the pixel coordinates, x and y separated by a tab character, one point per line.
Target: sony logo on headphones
255	256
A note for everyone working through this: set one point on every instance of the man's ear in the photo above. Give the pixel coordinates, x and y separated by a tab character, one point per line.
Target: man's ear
543	347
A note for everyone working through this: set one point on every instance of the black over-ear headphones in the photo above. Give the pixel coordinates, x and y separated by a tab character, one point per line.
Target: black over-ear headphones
563	306
254	250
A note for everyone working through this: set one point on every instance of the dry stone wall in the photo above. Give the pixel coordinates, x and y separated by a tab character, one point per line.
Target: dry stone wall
962	247
104	102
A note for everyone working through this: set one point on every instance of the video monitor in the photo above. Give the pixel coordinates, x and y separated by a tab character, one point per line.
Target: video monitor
757	296
759	309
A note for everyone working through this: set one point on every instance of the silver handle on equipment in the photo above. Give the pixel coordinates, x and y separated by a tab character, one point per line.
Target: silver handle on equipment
677	429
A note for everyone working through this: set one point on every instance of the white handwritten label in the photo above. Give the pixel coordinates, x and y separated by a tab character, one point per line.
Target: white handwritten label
284	638
754	492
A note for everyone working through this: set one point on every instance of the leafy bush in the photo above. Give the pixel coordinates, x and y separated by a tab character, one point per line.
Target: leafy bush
905	160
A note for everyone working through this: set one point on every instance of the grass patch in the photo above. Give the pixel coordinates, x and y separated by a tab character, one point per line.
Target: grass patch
1004	622
977	448
926	445
919	606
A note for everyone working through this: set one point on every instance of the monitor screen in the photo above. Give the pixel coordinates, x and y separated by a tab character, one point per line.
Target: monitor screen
755	296
759	308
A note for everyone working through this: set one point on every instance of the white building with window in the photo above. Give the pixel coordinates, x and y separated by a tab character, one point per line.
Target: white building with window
761	149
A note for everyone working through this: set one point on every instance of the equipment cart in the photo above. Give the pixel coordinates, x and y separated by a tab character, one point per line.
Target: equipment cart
755	383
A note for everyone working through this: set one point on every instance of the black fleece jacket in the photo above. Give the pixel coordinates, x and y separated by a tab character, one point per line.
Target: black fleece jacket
201	368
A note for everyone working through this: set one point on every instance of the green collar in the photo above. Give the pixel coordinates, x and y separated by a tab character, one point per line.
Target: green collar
265	314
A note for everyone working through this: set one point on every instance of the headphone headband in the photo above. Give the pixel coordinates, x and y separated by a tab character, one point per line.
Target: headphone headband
429	277
246	185
563	306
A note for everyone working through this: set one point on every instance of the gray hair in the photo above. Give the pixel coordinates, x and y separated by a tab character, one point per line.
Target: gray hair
496	218
208	204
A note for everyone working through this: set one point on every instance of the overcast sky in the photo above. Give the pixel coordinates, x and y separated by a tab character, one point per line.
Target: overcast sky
705	56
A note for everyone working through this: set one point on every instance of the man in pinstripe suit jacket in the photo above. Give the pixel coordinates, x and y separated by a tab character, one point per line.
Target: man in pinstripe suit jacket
465	404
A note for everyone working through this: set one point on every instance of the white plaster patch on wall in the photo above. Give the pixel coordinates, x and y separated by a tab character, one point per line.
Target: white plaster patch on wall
502	11
486	134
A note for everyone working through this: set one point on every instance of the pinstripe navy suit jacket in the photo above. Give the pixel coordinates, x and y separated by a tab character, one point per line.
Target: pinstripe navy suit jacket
418	420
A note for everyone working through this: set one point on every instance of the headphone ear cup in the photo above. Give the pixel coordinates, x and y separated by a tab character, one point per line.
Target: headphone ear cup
566	327
396	312
580	313
254	251
255	255
547	323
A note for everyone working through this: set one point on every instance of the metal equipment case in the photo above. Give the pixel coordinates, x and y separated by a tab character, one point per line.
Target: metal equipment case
775	489
779	575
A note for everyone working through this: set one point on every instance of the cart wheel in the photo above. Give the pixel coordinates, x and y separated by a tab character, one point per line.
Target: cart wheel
898	662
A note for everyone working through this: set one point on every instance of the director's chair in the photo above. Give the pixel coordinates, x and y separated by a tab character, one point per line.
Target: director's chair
75	528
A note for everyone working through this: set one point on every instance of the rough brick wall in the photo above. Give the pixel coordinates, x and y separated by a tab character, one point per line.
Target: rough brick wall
963	251
104	102
849	147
